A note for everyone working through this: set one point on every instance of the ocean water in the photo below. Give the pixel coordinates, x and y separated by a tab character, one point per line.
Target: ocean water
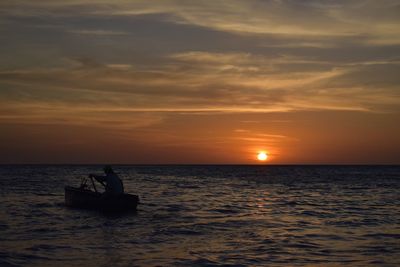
206	216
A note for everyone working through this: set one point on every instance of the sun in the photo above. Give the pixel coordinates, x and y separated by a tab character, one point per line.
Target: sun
262	156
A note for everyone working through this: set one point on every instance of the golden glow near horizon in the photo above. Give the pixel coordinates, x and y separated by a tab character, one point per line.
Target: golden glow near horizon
262	156
140	82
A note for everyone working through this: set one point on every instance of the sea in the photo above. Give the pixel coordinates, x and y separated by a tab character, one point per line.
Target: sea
205	215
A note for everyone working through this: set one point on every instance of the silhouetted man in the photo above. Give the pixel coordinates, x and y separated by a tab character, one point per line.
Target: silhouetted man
113	183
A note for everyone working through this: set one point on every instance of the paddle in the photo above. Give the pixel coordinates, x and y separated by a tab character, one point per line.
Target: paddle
94	185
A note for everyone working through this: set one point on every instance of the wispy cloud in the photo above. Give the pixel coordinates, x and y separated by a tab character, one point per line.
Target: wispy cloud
377	20
208	82
98	32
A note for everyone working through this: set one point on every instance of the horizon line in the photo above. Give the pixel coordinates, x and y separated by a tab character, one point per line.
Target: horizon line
201	164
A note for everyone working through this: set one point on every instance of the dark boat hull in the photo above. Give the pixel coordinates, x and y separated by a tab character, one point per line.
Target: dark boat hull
87	199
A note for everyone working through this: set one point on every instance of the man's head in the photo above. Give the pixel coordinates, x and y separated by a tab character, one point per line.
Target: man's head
107	169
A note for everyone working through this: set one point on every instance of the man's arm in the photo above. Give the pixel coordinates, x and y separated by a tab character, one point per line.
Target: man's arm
98	177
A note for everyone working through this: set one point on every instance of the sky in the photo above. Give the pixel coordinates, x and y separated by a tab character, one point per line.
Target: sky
200	82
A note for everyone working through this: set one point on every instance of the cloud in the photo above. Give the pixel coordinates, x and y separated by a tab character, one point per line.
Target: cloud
98	32
43	113
376	20
210	82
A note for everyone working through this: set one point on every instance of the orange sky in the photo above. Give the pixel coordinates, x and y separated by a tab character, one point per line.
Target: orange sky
309	82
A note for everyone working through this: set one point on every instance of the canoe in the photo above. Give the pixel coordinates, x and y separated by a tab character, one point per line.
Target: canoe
87	199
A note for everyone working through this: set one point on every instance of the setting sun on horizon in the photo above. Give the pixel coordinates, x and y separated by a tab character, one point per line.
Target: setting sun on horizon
262	156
